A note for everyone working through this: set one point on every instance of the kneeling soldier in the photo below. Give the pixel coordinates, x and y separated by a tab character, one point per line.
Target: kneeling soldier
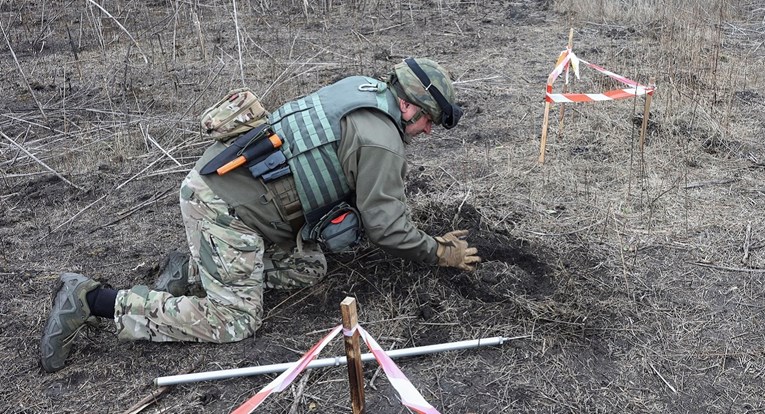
337	167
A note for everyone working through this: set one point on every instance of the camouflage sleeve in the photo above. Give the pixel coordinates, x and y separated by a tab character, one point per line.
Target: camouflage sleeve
373	159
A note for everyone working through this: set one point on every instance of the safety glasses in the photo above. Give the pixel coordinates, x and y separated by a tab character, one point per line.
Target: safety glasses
450	113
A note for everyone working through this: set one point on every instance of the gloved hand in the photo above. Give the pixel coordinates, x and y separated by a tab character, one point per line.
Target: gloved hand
454	252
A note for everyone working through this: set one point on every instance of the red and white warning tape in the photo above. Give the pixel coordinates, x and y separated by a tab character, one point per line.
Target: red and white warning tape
410	397
567	58
282	381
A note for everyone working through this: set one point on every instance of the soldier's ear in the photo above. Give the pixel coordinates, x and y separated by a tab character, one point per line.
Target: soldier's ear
408	109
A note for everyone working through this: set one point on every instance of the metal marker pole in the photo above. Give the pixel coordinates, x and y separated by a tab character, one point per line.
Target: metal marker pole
331	362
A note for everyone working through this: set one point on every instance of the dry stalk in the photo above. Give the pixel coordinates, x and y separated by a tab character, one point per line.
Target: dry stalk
155	395
176	8
96	28
298	393
728	268
662	378
74	51
198	27
71	219
147	401
145	59
747	242
238	44
30	155
132	210
148	137
24	76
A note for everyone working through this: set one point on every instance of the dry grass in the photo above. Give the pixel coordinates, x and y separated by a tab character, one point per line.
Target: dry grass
635	277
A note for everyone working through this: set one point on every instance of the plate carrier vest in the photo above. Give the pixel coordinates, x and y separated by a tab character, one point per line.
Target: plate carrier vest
310	129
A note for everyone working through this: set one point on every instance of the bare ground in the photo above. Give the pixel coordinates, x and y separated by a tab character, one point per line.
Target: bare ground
633	279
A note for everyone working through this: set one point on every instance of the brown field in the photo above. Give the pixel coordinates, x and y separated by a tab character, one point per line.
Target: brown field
632	276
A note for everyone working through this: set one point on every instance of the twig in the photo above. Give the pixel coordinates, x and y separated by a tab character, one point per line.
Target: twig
361	37
706	183
129	212
662	378
144	169
568	232
184	170
4	196
238	44
747	242
728	268
378	31
154	396
377	372
145	59
299	393
31	92
198	27
74	50
374	378
624	262
477	80
272	313
147	400
146	134
40	162
25	175
71	219
459	209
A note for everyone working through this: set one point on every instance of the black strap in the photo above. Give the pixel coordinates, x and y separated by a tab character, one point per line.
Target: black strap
446	107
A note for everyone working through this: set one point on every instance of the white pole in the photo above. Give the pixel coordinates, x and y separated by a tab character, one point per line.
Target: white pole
328	362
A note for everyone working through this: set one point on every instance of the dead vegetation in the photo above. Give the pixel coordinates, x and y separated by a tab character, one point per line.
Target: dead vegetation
634	278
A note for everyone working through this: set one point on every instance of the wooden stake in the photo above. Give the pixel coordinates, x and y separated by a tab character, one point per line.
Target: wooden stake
546	121
543	142
353	354
565	85
646	114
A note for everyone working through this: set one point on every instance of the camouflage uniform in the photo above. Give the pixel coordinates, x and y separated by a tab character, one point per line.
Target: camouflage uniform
241	242
228	259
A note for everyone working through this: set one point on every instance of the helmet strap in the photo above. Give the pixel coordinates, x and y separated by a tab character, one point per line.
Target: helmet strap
450	113
413	120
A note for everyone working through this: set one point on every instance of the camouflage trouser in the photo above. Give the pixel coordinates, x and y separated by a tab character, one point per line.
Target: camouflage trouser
233	265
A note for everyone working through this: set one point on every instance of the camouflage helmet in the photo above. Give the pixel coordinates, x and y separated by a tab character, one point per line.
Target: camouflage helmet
445	113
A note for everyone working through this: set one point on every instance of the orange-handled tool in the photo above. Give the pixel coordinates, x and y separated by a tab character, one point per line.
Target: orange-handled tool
260	148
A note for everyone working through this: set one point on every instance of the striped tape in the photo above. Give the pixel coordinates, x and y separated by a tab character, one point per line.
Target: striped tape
410	397
283	381
568	59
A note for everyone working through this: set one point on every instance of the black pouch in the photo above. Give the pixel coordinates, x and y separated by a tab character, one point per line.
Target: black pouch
339	229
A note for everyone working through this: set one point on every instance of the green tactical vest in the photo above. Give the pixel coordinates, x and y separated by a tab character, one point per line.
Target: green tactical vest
310	127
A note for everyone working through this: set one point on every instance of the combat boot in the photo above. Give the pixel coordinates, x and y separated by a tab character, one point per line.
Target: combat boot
174	277
69	312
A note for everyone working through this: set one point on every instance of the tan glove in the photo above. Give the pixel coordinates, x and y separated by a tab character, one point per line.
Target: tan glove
454	252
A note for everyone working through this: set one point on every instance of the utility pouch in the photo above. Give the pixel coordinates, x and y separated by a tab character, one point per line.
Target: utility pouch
339	229
236	113
284	193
